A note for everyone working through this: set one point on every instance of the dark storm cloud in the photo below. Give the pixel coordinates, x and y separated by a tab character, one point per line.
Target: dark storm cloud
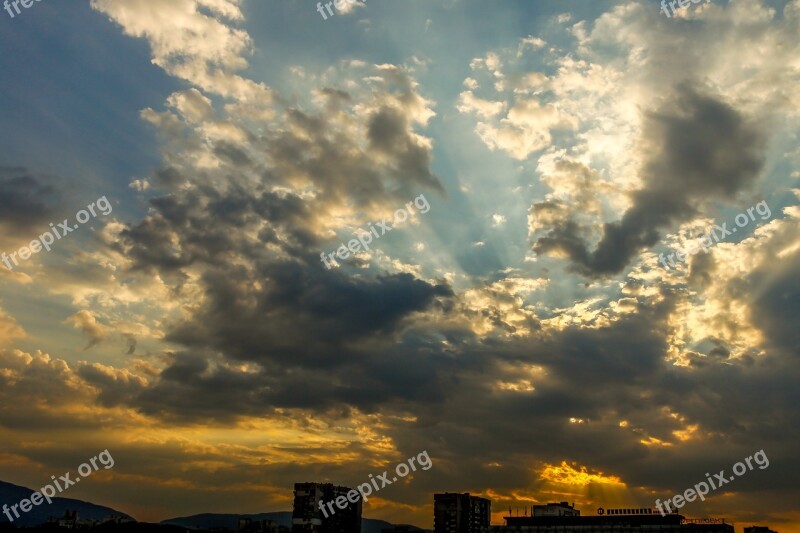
325	146
191	390
253	252
33	391
388	135
203	225
604	376
296	296
346	308
317	341
114	387
26	198
697	149
198	386
776	304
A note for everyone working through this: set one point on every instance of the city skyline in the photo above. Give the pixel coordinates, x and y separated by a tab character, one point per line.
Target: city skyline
313	512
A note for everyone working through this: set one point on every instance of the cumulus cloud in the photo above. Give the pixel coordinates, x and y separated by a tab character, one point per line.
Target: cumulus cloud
202	48
35	388
666	136
242	253
30	202
698	149
87	322
10	330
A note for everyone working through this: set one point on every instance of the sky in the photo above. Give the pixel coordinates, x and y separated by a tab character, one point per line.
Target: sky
594	298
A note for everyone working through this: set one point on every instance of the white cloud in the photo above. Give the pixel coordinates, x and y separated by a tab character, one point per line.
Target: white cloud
191	45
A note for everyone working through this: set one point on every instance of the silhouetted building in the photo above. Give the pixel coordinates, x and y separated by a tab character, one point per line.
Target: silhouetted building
758	529
307	515
555	509
248	525
69	520
630	520
461	513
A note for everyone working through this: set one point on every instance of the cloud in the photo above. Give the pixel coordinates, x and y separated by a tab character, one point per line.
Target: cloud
87	322
525	129
192	44
10	330
28	199
698	150
236	223
665	137
38	391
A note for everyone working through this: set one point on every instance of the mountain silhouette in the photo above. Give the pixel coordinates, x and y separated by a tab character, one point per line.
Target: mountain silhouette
283	518
11	494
